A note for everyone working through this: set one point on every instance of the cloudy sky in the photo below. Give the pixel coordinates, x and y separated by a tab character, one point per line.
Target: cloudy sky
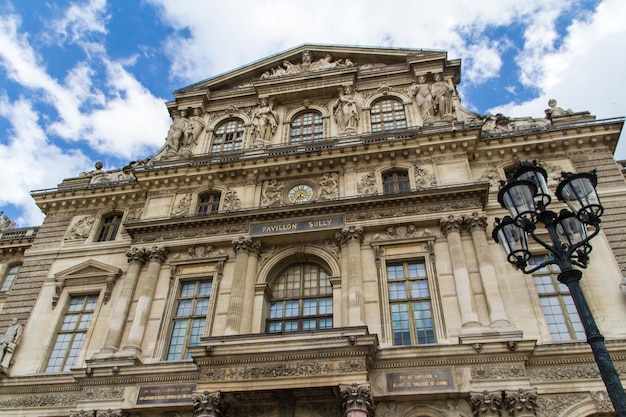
86	80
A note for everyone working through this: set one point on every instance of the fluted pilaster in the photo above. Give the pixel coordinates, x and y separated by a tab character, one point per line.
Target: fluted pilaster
243	247
451	227
477	224
145	293
136	258
351	237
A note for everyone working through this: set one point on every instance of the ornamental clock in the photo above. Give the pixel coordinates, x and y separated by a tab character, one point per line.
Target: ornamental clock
300	193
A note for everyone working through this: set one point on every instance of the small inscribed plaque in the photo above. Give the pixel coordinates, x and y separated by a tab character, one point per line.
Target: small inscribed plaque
415	381
297	226
165	394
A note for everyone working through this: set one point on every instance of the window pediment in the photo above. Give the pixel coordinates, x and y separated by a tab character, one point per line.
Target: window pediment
90	272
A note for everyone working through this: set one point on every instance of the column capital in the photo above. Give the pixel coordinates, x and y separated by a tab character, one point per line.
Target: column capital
357	397
521	403
486	403
208	404
476	221
451	224
157	253
137	255
349	233
247	244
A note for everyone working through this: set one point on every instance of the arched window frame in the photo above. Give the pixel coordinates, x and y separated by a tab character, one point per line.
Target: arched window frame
212	205
217	140
301	311
291	116
109	226
396	181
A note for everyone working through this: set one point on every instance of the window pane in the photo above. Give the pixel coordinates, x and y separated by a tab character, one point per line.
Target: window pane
71	335
306	127
108	228
387	114
10	277
300	291
188	325
416	327
228	136
558	307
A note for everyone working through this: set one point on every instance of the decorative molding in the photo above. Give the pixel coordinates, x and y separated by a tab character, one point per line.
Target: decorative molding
90	272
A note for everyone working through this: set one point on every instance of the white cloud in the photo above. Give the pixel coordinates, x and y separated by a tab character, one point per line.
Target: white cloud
29	161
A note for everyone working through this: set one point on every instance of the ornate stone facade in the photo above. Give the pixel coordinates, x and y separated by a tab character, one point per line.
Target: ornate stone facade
312	239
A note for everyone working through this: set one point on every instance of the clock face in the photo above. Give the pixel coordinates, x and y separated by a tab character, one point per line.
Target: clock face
301	193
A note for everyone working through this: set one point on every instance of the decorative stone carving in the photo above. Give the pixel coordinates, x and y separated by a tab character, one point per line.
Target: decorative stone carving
424	178
307	65
194	128
108	413
493	176
6	223
500	123
442	92
553	111
231	200
521	403
451	224
81	228
347	111
555	405
349	233
356	399
424	100
199	252
272	192
246	244
486	403
157	253
412	210
367	185
565	373
137	255
264	122
498	372
328	186
209	404
476	220
8	343
176	134
183	206
603	402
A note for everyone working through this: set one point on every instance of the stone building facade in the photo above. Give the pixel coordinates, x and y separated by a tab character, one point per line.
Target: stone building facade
313	239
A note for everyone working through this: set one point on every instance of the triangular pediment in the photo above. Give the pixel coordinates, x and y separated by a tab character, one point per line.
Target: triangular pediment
90	268
354	56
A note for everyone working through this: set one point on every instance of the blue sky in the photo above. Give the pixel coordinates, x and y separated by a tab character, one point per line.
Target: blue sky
86	80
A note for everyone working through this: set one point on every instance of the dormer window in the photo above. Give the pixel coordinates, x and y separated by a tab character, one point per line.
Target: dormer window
228	136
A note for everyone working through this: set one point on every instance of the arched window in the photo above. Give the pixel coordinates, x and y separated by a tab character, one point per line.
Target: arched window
306	127
301	299
396	182
209	203
228	136
109	227
387	114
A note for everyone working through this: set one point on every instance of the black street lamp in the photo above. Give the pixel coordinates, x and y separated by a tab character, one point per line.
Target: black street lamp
525	194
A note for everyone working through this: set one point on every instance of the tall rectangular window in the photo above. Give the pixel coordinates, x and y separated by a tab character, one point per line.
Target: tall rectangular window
557	304
410	303
9	278
71	336
192	306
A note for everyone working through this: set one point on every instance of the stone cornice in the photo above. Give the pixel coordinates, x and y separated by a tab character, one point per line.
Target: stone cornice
476	192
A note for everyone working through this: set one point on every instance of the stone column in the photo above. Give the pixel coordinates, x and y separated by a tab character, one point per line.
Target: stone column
208	405
521	403
477	223
243	246
145	294
136	258
249	290
451	228
351	237
356	400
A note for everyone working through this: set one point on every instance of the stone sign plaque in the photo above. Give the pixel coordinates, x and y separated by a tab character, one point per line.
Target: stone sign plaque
416	381
296	226
165	394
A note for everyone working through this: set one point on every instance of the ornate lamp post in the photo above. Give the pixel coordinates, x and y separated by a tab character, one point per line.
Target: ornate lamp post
525	194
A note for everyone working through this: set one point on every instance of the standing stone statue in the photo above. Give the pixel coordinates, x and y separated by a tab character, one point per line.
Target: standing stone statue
442	97
6	223
424	100
8	343
175	136
264	121
194	127
346	111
